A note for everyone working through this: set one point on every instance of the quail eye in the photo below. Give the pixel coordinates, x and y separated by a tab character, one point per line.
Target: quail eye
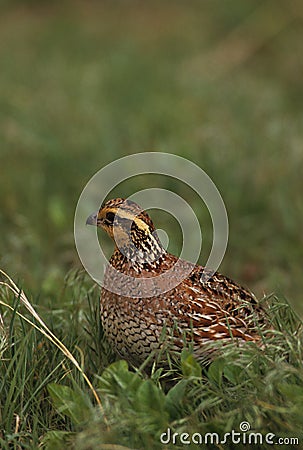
110	217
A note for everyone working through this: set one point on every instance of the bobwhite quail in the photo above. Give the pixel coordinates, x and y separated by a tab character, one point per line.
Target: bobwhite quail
135	317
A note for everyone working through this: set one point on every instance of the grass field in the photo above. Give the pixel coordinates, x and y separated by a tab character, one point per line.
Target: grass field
84	83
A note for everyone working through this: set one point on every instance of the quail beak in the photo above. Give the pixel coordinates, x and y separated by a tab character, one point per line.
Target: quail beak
92	219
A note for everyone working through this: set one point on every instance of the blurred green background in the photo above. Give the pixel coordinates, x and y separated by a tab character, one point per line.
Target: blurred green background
84	83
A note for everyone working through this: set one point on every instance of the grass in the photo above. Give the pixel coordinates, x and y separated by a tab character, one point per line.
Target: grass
82	84
48	402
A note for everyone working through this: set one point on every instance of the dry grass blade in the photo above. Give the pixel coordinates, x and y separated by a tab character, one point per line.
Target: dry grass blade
19	293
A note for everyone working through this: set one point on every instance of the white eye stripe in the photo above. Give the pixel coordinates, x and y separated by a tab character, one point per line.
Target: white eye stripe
133	218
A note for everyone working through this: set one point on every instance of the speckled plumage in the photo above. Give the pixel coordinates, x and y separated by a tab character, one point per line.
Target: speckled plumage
197	310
